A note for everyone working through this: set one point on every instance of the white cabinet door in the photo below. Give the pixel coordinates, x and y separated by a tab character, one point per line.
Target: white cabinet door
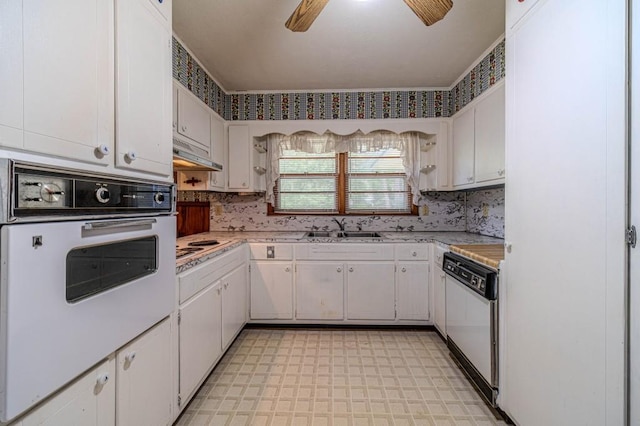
234	304
89	401
217	179
144	385
370	291
51	105
144	88
239	164
515	10
320	290
271	290
439	301
413	290
194	119
463	147
489	136
199	338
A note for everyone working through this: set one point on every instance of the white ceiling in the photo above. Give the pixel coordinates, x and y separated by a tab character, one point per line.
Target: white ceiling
353	44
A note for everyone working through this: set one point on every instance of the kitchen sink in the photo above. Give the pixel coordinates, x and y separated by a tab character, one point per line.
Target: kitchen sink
342	234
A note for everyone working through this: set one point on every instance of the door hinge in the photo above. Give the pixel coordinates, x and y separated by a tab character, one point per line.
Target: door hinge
632	236
249	268
179	317
179	400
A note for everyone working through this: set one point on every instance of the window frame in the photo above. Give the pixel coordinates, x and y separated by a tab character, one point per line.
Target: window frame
341	193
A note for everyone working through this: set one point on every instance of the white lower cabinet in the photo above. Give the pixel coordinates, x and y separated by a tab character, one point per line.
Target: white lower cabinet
438	283
200	341
89	401
144	380
319	291
412	279
234	304
271	289
370	291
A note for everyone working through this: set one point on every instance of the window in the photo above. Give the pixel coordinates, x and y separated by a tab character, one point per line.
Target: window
359	174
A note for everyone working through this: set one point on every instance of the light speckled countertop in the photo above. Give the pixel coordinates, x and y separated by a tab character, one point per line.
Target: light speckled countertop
231	240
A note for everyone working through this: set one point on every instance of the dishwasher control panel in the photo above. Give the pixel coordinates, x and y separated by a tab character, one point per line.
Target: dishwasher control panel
482	280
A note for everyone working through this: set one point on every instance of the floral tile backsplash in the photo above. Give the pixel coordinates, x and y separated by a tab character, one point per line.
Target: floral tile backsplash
439	211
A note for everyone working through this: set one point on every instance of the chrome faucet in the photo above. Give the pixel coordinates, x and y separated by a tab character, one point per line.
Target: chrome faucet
340	223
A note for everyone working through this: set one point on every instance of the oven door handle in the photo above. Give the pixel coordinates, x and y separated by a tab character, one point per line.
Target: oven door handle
116	224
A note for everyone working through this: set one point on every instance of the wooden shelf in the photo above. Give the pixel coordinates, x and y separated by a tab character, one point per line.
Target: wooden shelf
258	147
424	147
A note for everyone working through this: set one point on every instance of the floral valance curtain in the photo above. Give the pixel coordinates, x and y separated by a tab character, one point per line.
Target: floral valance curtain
407	143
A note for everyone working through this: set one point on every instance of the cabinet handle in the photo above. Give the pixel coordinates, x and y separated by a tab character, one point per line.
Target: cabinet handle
102	379
404	269
287	269
131	156
339	269
130	357
414	254
350	269
102	150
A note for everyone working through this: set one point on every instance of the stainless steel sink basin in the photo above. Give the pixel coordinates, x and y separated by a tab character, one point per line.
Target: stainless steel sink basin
342	234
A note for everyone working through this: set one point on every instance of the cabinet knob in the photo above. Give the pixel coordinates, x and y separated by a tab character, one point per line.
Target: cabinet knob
414	254
130	357
102	150
184	128
175	125
244	184
287	269
102	379
508	247
131	156
404	269
339	269
350	269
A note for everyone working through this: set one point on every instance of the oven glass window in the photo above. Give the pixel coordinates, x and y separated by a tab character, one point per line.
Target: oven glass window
92	270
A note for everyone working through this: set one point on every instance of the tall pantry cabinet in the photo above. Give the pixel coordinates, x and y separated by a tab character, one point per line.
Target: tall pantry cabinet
563	352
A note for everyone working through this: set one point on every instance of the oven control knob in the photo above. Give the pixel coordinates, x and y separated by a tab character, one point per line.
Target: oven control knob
158	197
102	195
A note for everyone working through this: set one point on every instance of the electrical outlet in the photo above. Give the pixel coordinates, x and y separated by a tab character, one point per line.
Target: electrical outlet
424	210
217	209
485	210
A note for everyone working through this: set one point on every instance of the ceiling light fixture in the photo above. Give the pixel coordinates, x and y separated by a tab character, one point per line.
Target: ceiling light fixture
429	12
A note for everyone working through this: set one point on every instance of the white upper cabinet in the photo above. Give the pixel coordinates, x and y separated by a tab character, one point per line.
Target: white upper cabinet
87	81
144	90
515	10
56	78
239	164
489	158
218	150
478	141
193	120
463	146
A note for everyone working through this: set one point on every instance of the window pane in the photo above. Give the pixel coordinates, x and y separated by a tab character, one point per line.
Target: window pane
395	201
318	201
382	183
307	165
376	165
310	184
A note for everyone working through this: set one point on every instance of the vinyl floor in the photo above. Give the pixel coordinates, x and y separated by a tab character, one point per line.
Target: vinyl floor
311	377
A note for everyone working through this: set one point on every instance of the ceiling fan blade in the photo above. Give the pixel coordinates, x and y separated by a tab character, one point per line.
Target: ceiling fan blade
430	11
304	15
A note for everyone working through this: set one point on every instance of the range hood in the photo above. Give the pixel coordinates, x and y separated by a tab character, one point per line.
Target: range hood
187	157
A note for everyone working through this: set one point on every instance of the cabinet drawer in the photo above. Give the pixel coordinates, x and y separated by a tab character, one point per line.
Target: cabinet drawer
338	251
412	252
270	251
202	276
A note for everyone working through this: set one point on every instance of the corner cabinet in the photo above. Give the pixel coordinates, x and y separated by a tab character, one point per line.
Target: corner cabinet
271	281
120	79
478	142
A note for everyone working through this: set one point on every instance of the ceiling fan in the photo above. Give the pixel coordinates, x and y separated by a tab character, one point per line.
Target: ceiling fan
429	12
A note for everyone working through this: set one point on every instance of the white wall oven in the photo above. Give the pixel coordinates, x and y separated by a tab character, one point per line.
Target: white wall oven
87	264
472	321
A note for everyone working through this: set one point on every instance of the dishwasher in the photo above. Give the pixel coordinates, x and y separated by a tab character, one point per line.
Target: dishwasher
472	321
